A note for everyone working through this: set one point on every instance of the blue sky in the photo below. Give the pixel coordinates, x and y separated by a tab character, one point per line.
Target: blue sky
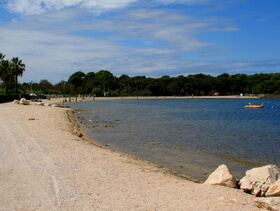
56	38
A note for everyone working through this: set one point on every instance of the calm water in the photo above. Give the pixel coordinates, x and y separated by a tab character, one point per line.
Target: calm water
191	136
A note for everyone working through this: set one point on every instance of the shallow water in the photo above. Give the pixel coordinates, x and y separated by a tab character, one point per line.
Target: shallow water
191	136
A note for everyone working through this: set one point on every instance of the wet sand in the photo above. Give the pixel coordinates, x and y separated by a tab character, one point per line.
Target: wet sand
45	165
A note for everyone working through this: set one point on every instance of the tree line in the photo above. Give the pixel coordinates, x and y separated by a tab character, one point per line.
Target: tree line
198	84
104	83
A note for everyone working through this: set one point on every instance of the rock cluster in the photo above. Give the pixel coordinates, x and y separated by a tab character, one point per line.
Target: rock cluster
261	181
258	181
23	101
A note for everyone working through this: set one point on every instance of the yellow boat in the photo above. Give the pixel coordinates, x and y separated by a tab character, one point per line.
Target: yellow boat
254	106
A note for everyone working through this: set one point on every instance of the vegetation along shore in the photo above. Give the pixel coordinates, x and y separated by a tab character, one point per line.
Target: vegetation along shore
104	83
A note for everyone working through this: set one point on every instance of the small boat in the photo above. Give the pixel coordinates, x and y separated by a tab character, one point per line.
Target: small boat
254	106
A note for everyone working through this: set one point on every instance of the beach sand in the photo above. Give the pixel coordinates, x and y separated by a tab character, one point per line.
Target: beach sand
44	166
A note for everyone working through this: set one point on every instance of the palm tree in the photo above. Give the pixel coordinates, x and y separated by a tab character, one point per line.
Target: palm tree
17	68
5	71
2	56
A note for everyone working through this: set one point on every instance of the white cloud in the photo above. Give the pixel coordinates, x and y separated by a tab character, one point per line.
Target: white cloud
183	1
58	43
35	7
52	45
164	26
31	7
106	4
25	7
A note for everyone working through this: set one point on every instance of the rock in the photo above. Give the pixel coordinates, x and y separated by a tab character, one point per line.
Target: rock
39	104
47	104
274	190
55	105
16	102
271	203
221	176
258	180
23	101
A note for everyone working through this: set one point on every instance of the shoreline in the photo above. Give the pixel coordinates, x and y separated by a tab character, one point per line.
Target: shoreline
169	97
63	100
177	97
191	170
45	167
79	131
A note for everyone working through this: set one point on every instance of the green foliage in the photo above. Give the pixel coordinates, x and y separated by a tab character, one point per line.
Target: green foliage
77	79
198	84
9	72
104	83
17	68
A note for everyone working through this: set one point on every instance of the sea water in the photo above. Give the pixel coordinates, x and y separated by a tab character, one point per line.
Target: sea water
190	136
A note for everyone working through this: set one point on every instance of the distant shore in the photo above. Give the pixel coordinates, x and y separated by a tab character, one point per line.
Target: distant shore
179	97
73	99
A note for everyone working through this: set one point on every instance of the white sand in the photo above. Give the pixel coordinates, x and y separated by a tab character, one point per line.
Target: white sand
45	167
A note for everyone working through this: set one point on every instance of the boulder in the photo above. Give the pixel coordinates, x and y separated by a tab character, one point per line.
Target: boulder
258	180
274	190
221	176
23	101
47	104
16	102
40	104
271	203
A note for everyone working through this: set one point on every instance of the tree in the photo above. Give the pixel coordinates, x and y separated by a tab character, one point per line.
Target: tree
89	82
2	56
223	83
125	85
104	76
46	86
164	82
106	80
17	68
240	84
5	71
138	84
77	79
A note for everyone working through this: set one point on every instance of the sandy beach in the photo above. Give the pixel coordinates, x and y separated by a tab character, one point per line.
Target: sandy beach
44	166
175	97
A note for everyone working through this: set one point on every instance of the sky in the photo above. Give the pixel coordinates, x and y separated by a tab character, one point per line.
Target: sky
152	38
